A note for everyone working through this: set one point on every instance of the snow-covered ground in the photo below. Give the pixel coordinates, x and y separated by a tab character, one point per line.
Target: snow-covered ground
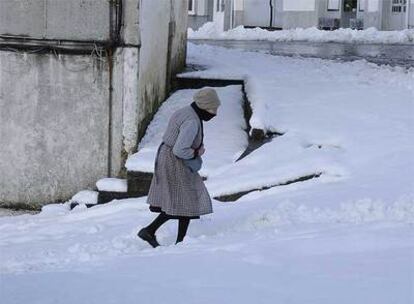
210	30
345	237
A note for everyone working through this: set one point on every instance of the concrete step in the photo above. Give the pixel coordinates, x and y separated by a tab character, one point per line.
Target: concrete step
111	188
138	183
107	196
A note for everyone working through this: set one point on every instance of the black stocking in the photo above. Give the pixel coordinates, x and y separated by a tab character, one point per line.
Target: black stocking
157	223
182	229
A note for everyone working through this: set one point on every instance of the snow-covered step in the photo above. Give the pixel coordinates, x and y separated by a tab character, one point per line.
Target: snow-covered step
111	184
86	197
111	188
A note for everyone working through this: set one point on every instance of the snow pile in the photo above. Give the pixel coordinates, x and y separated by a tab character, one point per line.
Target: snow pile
85	197
112	185
224	137
345	35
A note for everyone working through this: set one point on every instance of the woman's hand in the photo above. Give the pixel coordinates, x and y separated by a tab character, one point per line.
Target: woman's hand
201	151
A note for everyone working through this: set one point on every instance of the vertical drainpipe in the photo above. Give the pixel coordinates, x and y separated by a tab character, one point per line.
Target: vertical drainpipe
171	31
231	14
109	56
407	14
271	13
115	23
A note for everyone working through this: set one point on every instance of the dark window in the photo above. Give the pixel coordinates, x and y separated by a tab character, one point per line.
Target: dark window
399	6
350	5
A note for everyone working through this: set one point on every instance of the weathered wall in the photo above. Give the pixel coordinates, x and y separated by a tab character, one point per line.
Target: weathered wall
163	32
179	36
154	29
67	121
54	118
65	20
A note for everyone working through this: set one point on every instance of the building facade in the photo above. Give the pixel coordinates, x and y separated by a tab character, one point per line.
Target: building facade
325	14
79	82
199	12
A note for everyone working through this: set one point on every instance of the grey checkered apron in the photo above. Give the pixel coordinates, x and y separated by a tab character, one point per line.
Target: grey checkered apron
175	189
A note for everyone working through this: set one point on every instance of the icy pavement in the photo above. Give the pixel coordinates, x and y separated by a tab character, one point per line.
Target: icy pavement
383	54
346	237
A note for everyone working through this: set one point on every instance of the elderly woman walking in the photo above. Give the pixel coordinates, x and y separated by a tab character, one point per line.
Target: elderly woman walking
177	190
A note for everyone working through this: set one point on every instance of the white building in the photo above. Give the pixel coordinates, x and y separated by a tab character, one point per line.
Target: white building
327	14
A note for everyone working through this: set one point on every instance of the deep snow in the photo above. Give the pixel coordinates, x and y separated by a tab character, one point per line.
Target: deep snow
346	237
210	30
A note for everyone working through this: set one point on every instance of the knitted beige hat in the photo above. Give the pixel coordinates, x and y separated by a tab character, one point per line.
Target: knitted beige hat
207	99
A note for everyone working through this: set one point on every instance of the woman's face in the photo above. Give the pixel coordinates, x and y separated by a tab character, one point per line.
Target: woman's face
208	116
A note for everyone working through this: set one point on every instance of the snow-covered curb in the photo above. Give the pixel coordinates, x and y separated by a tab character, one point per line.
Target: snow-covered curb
112	185
370	35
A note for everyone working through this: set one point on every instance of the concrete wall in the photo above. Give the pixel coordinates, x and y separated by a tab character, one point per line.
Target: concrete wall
54	118
64	20
68	120
154	26
178	34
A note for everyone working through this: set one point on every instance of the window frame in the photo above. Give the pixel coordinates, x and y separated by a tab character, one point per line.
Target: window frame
333	9
399	6
192	11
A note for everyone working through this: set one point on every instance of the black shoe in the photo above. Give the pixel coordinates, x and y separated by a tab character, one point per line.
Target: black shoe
150	238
